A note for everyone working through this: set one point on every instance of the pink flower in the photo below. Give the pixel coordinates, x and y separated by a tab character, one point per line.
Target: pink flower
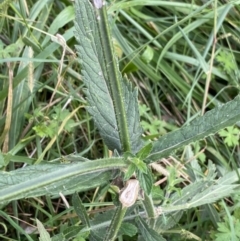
98	3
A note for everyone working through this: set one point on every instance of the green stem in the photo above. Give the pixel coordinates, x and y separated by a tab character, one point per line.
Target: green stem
116	223
149	207
113	78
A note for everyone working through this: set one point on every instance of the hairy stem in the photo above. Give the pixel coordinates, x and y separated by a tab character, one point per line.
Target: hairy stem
116	223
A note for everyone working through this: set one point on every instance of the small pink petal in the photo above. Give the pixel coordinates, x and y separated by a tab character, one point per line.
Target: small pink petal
98	3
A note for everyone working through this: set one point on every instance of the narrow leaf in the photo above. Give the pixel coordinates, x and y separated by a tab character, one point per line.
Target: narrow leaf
199	57
200	193
203	126
80	210
50	179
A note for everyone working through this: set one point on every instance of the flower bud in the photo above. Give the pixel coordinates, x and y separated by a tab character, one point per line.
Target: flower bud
129	193
98	3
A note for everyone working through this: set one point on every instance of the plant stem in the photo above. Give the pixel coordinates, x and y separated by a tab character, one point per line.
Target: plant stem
116	223
113	78
149	207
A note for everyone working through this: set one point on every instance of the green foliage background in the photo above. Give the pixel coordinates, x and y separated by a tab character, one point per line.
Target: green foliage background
182	56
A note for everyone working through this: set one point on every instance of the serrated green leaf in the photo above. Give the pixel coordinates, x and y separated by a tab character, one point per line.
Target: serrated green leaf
225	231
44	235
223	236
44	131
128	229
50	179
144	152
131	169
231	135
97	92
213	121
113	101
133	119
145	180
148	233
141	166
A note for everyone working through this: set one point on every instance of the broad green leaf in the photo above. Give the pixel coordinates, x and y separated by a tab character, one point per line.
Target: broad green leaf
203	126
112	99
128	229
44	235
225	231
50	179
141	166
148	233
98	94
145	180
